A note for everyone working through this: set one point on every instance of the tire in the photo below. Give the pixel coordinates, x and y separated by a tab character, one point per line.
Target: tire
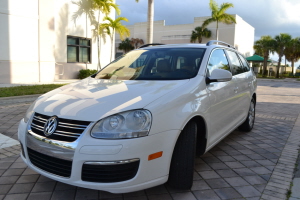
182	164
249	122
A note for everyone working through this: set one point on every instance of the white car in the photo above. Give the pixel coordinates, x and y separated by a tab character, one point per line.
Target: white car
140	121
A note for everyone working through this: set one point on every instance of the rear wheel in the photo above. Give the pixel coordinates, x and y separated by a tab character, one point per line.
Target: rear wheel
249	122
182	164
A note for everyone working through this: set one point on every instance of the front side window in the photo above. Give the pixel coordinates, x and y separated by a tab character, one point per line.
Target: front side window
155	64
217	60
79	50
237	67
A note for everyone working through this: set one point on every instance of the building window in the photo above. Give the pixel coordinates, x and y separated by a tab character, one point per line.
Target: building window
79	50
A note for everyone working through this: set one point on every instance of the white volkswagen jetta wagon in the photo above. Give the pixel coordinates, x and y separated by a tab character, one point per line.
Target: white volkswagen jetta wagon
140	121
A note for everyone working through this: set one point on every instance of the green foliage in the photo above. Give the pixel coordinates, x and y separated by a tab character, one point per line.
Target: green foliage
199	33
83	73
126	45
218	14
27	90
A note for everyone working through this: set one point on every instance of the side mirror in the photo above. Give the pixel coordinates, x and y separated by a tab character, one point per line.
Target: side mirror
219	75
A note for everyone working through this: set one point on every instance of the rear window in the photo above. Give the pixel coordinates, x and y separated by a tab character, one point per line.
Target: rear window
155	64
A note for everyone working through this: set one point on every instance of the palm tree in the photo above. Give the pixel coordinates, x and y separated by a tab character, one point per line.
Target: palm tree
89	7
113	26
150	21
104	6
264	47
218	15
126	45
136	41
281	42
199	33
292	52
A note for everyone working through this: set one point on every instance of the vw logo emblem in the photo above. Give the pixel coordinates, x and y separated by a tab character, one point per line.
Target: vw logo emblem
50	126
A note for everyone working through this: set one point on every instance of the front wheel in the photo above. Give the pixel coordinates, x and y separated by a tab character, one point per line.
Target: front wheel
249	122
182	164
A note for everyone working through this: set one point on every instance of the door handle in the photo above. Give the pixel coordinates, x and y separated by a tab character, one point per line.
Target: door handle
249	84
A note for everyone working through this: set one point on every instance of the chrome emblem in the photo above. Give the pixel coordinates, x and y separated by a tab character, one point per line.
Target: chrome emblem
50	126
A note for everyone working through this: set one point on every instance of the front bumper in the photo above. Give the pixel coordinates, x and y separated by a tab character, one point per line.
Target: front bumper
88	149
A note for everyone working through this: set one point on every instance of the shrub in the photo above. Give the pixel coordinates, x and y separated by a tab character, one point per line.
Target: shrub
83	73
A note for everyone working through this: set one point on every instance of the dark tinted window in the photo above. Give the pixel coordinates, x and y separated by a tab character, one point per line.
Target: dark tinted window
155	64
245	63
217	60
237	67
79	49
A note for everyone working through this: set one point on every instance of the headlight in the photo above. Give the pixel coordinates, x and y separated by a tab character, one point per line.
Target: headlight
29	112
131	124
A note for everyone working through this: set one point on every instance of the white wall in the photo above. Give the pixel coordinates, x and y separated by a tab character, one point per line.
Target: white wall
240	34
33	41
81	28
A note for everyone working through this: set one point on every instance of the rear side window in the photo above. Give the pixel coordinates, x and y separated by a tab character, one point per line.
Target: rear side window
217	60
245	63
237	67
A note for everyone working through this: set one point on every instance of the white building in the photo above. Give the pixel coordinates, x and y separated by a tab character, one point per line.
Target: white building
39	41
240	35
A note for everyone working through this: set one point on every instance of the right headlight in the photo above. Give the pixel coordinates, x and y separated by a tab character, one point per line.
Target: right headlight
130	124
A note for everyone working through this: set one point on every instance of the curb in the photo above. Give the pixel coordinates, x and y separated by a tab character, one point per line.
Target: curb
20	97
283	173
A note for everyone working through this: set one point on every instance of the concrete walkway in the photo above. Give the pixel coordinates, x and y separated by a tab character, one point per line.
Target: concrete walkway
255	165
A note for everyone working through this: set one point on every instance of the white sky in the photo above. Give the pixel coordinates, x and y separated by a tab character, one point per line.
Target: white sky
268	17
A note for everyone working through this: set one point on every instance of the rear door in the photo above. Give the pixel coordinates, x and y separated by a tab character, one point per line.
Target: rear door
242	90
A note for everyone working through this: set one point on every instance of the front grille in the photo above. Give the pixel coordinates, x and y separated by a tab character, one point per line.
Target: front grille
109	173
50	164
67	130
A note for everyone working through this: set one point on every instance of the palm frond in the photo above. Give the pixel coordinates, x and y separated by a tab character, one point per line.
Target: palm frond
224	7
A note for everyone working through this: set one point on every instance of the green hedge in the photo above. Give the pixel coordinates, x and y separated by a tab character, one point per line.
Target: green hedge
86	73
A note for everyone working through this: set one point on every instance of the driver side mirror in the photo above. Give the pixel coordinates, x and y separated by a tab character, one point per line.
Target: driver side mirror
219	75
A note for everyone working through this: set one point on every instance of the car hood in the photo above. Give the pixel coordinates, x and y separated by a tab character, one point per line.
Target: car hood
92	99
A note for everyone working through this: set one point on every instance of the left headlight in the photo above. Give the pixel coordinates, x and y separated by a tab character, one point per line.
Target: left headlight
29	112
130	124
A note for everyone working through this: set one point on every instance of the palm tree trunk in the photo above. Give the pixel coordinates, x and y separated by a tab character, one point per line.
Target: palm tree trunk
293	67
265	65
217	31
150	21
279	64
98	41
112	46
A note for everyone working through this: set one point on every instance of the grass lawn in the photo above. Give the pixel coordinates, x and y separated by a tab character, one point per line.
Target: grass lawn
27	90
298	79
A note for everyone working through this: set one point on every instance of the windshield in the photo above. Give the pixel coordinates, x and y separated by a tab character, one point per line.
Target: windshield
155	64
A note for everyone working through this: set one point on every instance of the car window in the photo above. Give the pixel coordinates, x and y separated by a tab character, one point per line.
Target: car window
217	60
245	63
155	64
237	67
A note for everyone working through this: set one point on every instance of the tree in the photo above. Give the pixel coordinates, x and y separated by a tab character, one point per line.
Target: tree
136	41
292	52
126	45
150	21
199	33
104	6
264	47
281	42
113	26
89	7
218	15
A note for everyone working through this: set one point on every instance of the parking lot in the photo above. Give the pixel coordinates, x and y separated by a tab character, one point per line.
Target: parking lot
255	165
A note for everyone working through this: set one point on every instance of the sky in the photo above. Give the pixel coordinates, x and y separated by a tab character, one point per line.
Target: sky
268	17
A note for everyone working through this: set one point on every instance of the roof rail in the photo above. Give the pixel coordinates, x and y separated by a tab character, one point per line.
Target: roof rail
219	42
152	44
